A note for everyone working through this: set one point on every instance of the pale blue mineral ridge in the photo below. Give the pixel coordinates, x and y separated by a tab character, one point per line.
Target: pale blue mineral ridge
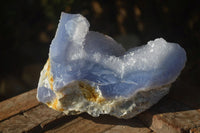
77	54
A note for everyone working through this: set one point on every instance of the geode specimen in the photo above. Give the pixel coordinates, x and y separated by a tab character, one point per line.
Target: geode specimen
90	72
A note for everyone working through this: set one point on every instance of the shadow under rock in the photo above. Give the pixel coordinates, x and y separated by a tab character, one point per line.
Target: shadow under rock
168	105
165	105
186	88
111	120
170	111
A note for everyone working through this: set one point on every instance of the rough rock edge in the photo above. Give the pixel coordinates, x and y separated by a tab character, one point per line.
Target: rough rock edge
119	107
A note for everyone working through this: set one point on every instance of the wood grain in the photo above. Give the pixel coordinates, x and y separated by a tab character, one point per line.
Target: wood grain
171	117
23	113
18	104
17	124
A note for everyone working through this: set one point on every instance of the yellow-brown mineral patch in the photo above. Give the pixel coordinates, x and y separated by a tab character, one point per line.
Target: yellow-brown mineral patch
54	105
49	75
89	92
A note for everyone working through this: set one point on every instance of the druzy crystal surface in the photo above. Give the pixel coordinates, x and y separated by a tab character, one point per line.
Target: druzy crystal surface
90	72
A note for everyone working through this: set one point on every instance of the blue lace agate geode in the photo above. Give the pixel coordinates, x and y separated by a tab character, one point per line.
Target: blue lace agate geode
90	72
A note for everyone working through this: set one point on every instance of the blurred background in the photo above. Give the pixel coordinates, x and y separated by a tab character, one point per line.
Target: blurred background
28	26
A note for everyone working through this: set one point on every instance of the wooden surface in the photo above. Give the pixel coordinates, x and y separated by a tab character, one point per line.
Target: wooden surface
24	113
18	104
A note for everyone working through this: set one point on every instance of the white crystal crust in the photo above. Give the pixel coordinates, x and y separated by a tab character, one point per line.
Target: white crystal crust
90	72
